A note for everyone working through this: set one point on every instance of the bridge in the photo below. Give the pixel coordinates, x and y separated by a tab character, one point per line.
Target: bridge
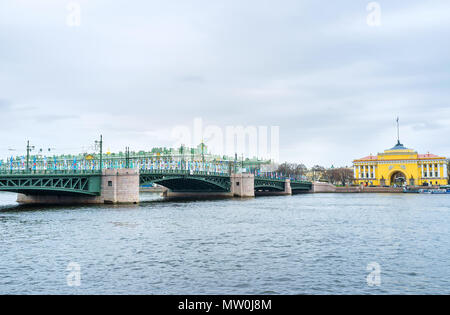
116	179
94	186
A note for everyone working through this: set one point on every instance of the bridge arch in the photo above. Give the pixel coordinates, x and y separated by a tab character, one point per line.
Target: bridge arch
188	183
264	184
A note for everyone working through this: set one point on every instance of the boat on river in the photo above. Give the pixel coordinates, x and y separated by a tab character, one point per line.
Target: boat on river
416	190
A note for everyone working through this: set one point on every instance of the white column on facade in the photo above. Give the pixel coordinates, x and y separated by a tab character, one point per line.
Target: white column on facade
422	171
354	171
359	171
373	172
445	170
428	170
439	170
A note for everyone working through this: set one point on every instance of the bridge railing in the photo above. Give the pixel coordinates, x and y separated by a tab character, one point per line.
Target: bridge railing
280	178
49	172
183	172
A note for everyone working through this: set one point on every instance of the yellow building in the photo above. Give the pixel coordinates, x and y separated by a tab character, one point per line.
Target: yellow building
401	166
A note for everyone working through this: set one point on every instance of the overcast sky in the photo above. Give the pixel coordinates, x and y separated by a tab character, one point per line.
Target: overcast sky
132	70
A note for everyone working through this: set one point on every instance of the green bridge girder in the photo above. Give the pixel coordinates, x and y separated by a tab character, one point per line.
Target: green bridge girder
62	184
300	186
186	181
269	184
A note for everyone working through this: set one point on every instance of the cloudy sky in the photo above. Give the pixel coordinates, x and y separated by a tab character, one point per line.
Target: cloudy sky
133	70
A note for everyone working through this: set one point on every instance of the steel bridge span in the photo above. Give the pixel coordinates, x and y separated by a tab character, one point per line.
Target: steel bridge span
122	185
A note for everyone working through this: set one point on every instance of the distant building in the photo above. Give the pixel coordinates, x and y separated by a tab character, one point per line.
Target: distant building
401	166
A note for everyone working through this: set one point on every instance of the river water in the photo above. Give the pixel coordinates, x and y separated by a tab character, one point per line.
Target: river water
303	244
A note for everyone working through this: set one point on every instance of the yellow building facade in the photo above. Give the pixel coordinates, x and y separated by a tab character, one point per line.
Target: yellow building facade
400	166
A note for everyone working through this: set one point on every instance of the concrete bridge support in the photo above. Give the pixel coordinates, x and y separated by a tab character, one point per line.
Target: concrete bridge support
117	186
243	185
287	187
120	186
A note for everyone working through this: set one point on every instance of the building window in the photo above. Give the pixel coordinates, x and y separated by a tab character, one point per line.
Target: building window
237	183
109	183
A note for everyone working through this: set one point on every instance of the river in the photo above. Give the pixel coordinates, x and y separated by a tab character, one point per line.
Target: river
302	244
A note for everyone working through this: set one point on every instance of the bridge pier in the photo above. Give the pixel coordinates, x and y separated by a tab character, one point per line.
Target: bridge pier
120	186
117	186
243	185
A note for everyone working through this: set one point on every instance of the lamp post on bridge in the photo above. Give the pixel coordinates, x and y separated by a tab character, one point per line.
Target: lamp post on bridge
100	143
29	148
203	152
182	157
127	157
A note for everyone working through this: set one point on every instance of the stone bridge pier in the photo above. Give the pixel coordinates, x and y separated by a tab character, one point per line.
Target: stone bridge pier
117	186
243	185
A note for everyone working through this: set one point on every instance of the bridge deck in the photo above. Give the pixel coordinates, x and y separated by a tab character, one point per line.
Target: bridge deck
84	183
88	182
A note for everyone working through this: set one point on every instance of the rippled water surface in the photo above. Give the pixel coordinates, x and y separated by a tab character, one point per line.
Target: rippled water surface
314	243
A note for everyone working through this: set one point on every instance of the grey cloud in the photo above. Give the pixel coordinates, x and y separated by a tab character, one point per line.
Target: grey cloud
193	79
54	118
4	104
333	84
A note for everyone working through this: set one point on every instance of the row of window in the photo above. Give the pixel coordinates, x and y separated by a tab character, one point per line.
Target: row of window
431	173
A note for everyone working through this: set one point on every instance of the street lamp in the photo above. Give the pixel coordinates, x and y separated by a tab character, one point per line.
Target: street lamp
127	157
29	148
100	144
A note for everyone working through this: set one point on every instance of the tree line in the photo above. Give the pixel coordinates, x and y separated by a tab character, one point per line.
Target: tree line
333	175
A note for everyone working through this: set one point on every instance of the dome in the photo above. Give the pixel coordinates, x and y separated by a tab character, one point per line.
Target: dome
399	146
